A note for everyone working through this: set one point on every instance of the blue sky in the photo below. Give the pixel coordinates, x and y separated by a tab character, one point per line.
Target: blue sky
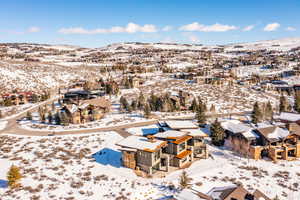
95	23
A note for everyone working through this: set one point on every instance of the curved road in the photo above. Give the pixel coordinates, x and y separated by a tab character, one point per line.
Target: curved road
13	127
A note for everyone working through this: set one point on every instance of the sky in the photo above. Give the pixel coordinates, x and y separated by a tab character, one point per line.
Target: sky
96	23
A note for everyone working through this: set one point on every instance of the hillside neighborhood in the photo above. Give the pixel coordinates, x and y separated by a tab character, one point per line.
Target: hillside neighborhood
144	121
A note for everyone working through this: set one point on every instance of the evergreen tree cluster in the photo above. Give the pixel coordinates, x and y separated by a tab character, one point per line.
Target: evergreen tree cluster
284	105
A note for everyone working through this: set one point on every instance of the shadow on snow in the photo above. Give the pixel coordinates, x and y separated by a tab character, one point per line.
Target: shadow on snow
108	156
3	183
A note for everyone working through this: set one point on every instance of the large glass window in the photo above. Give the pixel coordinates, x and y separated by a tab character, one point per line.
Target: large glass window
181	146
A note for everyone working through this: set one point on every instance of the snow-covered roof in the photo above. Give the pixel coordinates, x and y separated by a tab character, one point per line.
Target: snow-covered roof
176	124
216	192
196	132
187	194
250	134
235	127
279	133
141	143
293	117
273	132
170	134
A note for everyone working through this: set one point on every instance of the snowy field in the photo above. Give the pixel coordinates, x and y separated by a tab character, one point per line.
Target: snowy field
62	167
2	124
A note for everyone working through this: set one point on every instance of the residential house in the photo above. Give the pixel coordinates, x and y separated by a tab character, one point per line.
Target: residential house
231	192
279	143
143	154
272	141
180	148
87	110
242	139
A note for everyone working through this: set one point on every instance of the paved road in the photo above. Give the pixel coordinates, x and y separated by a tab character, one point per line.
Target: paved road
13	127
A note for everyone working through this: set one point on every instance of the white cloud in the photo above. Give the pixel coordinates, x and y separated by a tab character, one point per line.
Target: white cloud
272	27
248	28
34	29
207	28
290	28
167	28
130	28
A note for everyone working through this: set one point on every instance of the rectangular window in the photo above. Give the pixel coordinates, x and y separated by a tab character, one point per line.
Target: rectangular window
181	147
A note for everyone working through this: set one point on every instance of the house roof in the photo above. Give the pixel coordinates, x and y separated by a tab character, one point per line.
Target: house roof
260	196
222	193
182	139
250	134
170	134
273	133
292	117
176	124
98	102
235	127
196	132
141	143
294	128
187	194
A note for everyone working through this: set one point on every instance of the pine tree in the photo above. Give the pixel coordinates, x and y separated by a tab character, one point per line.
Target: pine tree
53	106
50	118
276	198
64	119
200	116
194	105
43	117
283	104
217	133
13	176
28	116
147	111
141	101
184	180
129	108
212	108
134	105
256	114
124	103
269	111
57	119
297	102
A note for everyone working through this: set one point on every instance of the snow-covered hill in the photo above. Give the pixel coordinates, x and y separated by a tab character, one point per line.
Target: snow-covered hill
284	44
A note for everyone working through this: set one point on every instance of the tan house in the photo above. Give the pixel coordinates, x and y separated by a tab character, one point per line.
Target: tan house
143	153
170	148
87	110
273	141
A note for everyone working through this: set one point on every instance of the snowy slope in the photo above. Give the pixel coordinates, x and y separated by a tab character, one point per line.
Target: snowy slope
285	44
